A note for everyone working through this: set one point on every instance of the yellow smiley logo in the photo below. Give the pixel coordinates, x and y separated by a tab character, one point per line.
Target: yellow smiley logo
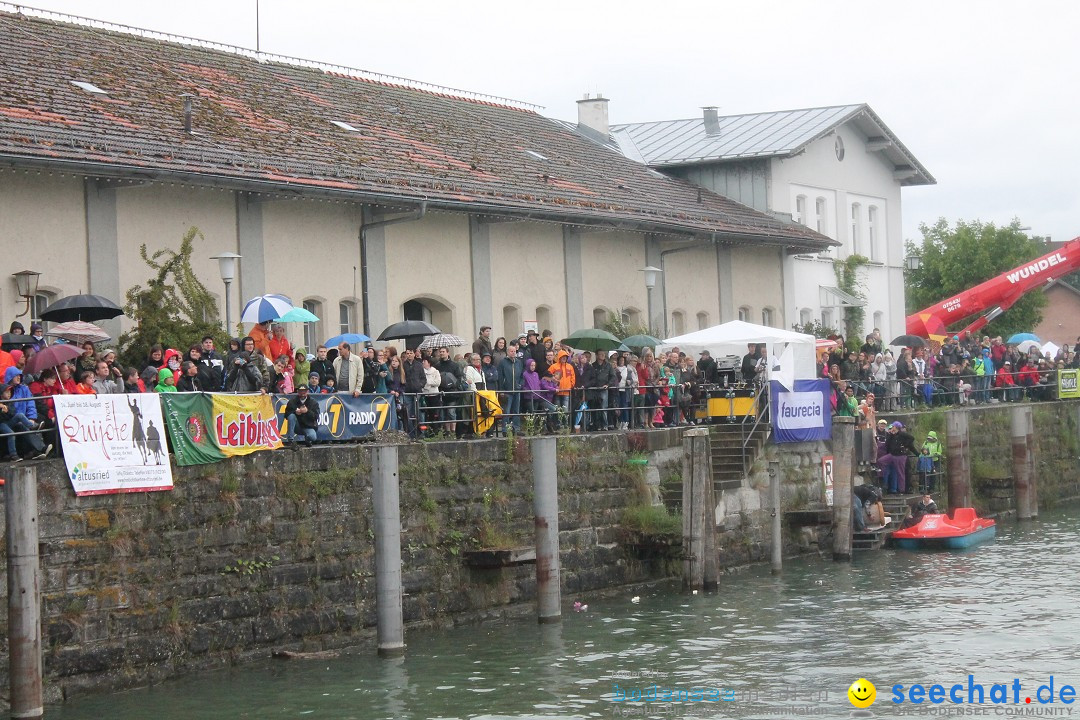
862	693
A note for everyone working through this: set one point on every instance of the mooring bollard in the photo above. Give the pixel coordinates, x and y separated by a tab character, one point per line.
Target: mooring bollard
701	564
843	447
1023	462
777	518
385	498
546	520
958	451
24	592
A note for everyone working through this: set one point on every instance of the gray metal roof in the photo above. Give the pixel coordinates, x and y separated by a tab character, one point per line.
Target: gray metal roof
770	134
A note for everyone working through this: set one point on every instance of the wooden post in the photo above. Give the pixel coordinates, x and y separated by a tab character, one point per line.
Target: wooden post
388	594
777	518
546	522
701	564
958	455
24	592
1023	462
843	448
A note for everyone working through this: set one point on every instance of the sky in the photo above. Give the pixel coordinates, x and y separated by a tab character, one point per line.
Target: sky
982	93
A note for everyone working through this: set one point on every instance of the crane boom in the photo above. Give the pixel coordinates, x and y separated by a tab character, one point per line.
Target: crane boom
996	295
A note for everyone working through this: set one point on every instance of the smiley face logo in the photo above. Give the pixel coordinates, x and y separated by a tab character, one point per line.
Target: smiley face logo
862	693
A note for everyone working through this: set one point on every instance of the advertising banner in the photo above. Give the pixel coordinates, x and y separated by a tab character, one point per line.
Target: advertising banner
113	443
1068	384
208	427
344	417
802	414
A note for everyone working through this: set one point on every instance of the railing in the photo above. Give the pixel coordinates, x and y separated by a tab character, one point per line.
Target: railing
940	390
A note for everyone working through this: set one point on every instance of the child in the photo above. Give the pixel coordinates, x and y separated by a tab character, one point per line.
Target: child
926	470
328	386
86	384
934	446
166	383
12	422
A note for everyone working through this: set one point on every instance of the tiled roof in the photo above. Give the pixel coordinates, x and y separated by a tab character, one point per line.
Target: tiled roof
270	124
769	134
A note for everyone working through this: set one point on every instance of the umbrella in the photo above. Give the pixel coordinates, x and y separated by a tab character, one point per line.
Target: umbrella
592	339
1051	349
351	338
1021	337
1025	347
825	343
298	314
441	340
487	409
407	329
17	339
642	341
912	341
265	307
79	332
51	357
81	307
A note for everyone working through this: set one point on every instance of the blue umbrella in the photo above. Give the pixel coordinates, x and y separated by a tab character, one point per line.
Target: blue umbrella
298	314
1021	337
265	307
351	338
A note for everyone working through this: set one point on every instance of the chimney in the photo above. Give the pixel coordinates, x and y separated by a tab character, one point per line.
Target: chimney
187	112
592	114
712	125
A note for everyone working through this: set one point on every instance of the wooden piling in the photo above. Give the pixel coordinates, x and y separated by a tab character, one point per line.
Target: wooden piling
843	448
701	562
546	522
958	454
777	518
24	592
388	594
1023	462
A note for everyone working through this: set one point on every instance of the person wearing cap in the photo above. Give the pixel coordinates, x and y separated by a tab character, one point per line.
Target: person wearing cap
1004	381
302	416
314	383
898	443
707	367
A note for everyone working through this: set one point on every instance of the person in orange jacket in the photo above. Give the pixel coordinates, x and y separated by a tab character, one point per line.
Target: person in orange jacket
260	335
567	379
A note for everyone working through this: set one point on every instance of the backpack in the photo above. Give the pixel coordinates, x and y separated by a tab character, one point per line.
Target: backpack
449	382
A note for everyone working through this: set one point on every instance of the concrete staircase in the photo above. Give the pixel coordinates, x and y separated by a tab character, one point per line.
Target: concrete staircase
730	464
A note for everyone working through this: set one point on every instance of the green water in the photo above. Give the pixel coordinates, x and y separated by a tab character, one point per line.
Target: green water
1007	609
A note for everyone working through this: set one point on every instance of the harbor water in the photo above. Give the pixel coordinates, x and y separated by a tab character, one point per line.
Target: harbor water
760	647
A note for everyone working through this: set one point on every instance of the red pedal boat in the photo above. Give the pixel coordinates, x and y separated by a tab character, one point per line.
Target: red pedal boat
960	530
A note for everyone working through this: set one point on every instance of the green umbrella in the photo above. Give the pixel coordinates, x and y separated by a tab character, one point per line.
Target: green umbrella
642	341
592	340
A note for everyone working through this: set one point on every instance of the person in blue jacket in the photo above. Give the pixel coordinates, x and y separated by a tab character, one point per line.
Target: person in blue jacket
22	399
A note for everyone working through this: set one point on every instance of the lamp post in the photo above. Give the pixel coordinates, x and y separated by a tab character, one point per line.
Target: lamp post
913	262
227	266
27	283
652	274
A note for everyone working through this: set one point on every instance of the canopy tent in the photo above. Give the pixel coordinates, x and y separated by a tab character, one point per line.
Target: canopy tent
732	337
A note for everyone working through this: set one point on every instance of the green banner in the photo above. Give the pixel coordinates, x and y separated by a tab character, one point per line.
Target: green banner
1068	384
188	417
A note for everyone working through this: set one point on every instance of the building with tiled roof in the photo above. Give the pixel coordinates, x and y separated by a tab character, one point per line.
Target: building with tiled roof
112	138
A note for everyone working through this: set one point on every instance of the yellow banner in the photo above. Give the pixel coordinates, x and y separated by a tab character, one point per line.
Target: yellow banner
243	424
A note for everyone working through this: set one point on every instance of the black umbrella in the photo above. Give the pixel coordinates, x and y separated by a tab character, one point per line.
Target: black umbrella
82	307
17	340
408	329
911	341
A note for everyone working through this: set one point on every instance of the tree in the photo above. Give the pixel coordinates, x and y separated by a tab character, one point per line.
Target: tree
174	309
621	328
958	258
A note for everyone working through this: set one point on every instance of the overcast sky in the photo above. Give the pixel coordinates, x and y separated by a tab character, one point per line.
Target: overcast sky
984	94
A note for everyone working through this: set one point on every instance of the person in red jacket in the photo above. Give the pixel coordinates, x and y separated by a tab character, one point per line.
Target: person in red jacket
1004	379
1028	377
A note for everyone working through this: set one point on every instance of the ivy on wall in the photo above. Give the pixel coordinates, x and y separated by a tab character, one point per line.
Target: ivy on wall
847	280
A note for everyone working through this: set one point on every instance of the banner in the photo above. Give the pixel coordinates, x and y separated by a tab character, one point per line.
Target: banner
113	443
1068	384
344	417
802	414
208	427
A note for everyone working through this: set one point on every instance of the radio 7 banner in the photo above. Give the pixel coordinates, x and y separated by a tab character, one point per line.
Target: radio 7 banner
803	414
208	427
344	417
113	443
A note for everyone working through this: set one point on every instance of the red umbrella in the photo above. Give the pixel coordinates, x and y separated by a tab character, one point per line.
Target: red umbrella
51	357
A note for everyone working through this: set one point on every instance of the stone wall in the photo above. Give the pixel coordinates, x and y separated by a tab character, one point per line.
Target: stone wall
275	550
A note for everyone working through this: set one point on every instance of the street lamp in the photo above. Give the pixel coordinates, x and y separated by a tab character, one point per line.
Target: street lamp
913	262
227	266
652	274
27	283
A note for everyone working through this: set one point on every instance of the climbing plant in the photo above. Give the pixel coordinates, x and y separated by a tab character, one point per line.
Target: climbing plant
847	280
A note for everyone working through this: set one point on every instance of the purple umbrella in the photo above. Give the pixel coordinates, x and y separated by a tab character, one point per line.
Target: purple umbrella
51	357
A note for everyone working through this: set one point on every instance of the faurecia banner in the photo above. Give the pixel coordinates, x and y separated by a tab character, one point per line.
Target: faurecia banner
344	417
803	413
113	443
208	427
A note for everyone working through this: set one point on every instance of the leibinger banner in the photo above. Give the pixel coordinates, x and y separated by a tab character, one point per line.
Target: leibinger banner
113	443
344	417
208	427
803	413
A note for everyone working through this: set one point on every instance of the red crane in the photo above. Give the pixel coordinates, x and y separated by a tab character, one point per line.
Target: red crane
996	295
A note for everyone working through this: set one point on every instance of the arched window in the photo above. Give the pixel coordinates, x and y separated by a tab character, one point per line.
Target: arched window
702	320
806	317
678	323
41	301
879	318
872	231
744	314
346	317
856	239
543	318
821	208
631	317
827	320
599	317
767	317
512	324
800	210
430	309
313	330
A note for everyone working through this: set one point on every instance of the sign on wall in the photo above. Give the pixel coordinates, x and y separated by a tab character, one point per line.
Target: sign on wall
802	414
113	443
1068	384
208	427
827	478
344	417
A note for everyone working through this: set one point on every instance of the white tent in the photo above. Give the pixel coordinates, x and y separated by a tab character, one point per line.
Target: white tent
731	339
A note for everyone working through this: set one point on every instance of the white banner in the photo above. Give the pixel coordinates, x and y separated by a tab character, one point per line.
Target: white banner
113	443
797	410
